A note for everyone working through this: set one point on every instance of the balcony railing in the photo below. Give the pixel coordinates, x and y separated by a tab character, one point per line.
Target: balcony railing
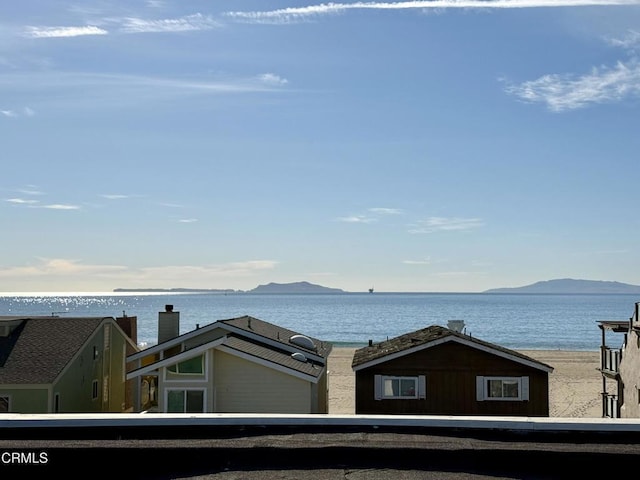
610	406
610	359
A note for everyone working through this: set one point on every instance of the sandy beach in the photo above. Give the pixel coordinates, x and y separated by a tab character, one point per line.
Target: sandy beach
574	385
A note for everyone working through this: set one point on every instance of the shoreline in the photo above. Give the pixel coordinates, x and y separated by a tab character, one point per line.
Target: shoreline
575	385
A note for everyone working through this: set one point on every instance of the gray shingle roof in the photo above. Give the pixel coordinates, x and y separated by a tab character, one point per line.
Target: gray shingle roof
424	337
274	332
38	350
282	358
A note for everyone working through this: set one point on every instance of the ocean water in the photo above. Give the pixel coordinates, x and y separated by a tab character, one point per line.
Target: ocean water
517	321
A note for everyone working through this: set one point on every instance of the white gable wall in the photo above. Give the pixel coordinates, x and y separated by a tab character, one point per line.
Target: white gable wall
241	386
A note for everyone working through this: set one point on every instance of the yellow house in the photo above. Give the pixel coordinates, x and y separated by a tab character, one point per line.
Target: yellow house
238	365
65	365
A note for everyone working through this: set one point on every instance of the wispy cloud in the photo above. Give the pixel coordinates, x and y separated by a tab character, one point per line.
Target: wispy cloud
188	220
119	196
204	273
562	92
374	214
252	265
426	261
61	32
56	266
442	224
272	79
183	24
630	41
126	25
61	206
386	211
115	196
36	204
69	80
30	190
21	201
306	13
25	112
357	219
75	89
81	276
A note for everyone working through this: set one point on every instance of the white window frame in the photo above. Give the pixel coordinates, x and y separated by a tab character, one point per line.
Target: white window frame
420	387
184	392
203	360
7	399
482	389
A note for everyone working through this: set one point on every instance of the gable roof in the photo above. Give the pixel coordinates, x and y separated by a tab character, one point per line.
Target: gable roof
38	350
248	327
275	357
428	337
252	339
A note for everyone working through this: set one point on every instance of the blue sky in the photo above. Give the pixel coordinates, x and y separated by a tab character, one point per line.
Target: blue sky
445	146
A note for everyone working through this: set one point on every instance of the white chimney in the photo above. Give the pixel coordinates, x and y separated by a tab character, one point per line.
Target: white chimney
168	324
456	325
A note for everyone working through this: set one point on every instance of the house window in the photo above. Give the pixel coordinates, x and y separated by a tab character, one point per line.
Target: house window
56	403
396	387
94	390
502	388
185	401
4	404
192	366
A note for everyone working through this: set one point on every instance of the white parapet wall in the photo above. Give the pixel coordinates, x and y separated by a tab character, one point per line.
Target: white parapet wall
471	423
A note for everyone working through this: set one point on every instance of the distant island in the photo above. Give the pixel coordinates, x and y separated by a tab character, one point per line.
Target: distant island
559	286
295	287
286	288
571	286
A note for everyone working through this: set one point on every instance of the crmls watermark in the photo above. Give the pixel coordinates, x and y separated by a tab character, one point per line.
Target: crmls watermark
24	458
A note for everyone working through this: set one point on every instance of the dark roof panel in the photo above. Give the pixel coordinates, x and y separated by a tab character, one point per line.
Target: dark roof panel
281	358
37	352
279	334
424	337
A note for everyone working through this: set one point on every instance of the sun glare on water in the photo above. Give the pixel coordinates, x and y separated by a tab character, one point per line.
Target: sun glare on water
77	294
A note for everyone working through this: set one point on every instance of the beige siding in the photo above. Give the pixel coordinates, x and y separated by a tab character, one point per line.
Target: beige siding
630	374
27	398
242	386
75	385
